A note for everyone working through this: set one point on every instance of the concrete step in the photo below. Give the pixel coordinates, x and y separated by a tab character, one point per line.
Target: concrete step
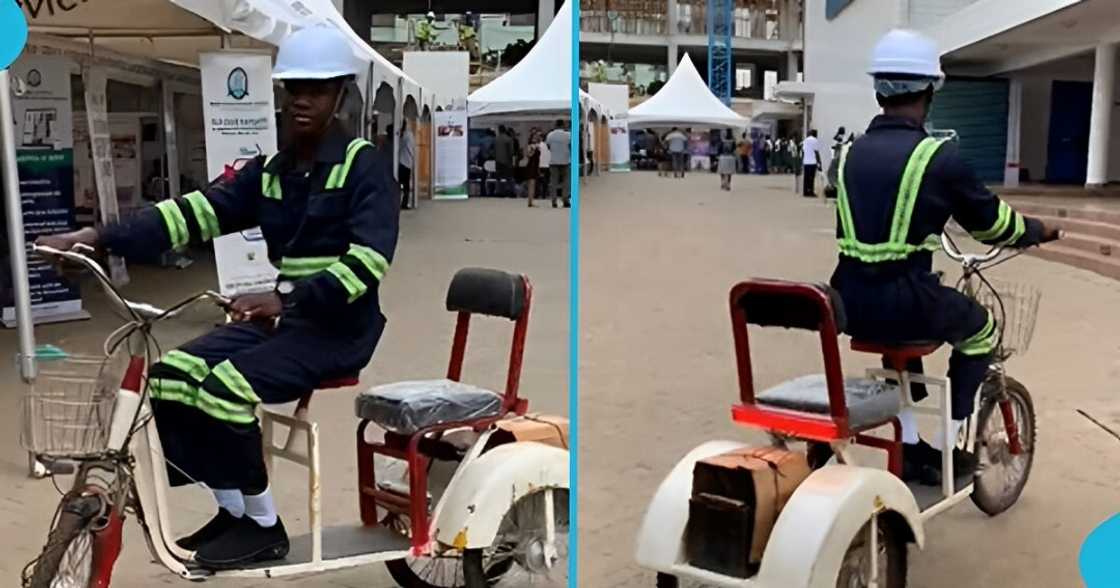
1072	213
1104	265
1095	229
1092	244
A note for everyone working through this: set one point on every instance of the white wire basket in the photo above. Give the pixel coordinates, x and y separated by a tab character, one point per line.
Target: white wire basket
1018	313
68	410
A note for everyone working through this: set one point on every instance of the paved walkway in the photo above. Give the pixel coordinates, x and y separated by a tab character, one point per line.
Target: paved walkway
435	242
657	375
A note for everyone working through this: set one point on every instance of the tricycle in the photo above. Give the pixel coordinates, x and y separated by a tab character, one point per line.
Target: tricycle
501	513
833	518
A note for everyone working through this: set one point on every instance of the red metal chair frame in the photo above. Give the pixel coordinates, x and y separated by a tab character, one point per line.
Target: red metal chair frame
833	427
411	448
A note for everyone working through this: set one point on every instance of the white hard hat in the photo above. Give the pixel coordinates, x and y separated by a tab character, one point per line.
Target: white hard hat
430	14
906	53
315	53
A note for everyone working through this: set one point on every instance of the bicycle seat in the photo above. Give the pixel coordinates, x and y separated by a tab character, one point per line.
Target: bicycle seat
897	353
407	407
870	402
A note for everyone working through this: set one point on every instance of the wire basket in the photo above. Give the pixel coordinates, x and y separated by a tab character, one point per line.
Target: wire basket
1018	313
68	410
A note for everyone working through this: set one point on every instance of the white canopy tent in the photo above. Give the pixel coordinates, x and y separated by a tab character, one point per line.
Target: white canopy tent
540	85
685	100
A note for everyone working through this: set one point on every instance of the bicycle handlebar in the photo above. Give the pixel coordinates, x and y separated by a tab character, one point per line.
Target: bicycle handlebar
140	311
968	259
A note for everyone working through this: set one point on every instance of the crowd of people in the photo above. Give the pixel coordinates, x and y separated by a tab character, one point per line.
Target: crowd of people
678	151
536	165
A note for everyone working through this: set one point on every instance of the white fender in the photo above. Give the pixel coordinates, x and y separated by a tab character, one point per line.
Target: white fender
480	495
660	538
822	517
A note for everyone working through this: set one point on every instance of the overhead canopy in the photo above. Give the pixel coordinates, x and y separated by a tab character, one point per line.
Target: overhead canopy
685	100
540	84
178	30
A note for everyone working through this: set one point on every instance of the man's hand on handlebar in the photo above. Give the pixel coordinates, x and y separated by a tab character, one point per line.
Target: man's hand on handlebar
66	241
1051	232
256	307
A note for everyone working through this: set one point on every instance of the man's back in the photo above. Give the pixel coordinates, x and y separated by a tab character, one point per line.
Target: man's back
503	149
559	146
677	141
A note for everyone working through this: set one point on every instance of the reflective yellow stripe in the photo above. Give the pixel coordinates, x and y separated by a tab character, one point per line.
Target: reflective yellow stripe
236	383
1017	233
205	216
175	222
843	209
193	396
339	173
270	184
1003	220
371	259
355	287
298	267
194	367
911	186
983	342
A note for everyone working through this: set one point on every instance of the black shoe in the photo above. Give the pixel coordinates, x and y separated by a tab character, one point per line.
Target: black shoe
222	522
554	203
567	204
245	543
921	463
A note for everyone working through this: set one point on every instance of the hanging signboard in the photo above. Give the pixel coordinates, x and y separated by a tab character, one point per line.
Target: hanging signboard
451	154
45	158
240	119
101	148
620	145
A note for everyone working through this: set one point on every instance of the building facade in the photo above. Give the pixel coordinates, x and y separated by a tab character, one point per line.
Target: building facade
1031	89
640	42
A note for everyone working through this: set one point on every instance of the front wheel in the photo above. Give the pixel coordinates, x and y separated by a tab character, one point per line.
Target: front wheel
67	559
890	565
1003	475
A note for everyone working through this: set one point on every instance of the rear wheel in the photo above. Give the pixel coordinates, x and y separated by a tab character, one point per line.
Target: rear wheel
1002	476
856	567
531	547
440	571
67	559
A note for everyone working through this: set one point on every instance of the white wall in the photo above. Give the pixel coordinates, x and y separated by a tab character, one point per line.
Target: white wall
836	59
926	13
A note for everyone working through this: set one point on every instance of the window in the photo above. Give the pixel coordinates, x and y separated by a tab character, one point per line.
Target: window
834	7
744	78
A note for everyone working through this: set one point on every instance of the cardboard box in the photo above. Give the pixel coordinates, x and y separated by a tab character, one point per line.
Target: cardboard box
761	477
547	429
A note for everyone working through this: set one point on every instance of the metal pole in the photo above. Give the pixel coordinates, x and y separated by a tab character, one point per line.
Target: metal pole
13	208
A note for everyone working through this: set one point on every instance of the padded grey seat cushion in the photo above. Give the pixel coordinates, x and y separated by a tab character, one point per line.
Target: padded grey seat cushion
407	407
870	402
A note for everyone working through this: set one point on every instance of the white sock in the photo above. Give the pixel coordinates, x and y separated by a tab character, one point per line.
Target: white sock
954	430
231	500
909	427
261	508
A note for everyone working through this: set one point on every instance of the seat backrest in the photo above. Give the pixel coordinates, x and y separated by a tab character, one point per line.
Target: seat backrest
487	291
791	305
493	293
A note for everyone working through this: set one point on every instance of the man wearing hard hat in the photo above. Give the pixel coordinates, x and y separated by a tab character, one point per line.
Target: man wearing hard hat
426	31
897	187
328	211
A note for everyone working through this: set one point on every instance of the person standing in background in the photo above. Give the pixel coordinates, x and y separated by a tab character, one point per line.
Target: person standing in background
406	157
726	164
811	160
504	153
559	143
532	167
677	143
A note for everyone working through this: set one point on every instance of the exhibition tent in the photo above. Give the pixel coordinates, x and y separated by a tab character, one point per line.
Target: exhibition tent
685	101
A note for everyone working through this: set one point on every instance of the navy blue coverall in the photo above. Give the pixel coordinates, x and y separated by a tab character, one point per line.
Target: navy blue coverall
332	230
896	190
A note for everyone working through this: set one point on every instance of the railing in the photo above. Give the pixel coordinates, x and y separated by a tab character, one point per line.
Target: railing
753	19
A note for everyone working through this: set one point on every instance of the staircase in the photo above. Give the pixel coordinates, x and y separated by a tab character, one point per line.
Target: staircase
1092	239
